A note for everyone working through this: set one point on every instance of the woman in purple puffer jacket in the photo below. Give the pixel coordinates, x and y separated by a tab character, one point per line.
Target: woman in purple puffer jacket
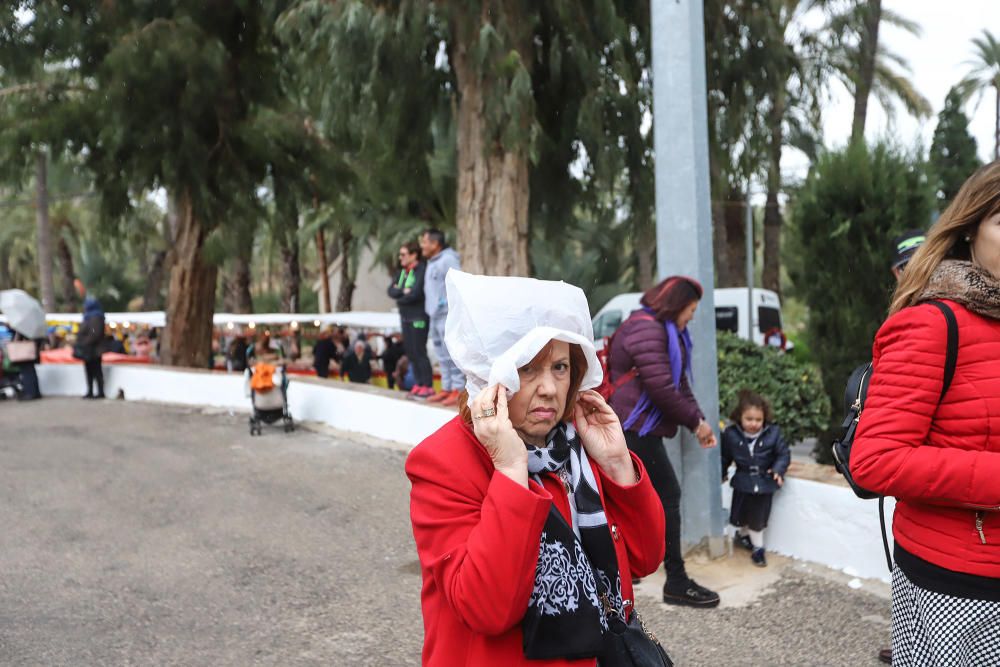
653	346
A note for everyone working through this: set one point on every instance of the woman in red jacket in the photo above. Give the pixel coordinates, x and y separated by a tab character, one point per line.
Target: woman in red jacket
528	512
941	458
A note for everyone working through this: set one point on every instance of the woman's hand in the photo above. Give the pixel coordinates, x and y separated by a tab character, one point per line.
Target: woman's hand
498	436
705	435
602	437
778	478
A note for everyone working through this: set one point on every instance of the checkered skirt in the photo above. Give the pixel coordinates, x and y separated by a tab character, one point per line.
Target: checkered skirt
937	630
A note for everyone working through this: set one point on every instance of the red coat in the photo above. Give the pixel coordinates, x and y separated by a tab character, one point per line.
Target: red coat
477	536
938	461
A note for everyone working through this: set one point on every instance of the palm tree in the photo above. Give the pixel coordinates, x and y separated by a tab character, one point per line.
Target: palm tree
985	74
863	64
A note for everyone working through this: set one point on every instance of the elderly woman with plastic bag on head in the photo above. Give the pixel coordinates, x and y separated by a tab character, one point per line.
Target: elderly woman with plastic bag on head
530	515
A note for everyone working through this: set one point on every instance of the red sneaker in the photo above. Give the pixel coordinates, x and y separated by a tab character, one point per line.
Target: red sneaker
451	399
439	397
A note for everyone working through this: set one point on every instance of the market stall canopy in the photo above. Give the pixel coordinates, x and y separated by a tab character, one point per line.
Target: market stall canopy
358	319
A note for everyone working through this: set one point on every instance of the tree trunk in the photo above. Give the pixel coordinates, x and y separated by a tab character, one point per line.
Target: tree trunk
67	271
493	188
719	244
645	248
324	272
287	233
346	293
43	233
187	337
866	73
734	221
152	295
772	210
996	127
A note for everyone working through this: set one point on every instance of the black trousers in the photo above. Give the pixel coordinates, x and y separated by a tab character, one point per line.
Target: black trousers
415	344
95	374
650	450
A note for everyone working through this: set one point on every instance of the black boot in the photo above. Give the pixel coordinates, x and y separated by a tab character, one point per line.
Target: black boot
690	594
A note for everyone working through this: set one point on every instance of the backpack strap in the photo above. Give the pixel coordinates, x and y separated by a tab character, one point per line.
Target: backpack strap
951	352
950	362
631	373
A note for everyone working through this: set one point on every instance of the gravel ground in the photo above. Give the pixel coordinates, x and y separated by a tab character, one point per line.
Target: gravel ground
139	534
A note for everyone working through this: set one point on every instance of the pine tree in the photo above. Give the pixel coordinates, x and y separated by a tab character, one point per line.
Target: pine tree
953	155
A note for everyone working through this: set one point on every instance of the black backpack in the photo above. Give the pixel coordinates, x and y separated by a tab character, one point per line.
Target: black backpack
854	403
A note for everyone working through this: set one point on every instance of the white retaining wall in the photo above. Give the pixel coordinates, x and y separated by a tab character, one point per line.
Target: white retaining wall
810	520
362	410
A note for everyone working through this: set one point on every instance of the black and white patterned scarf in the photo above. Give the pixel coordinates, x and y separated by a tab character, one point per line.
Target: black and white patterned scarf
564	617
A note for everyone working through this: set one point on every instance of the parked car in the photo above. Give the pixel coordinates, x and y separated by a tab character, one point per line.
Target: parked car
731	314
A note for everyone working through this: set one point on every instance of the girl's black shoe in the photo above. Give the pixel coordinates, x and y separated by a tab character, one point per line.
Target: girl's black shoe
742	542
758	557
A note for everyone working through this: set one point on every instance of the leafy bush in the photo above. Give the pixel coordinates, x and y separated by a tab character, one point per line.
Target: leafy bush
793	388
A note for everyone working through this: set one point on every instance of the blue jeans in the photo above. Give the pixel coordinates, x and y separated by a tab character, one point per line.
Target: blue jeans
452	379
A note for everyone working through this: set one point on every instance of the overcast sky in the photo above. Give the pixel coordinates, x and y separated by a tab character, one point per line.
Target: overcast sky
938	61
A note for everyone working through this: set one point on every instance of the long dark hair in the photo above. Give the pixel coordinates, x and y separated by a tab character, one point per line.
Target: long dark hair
669	298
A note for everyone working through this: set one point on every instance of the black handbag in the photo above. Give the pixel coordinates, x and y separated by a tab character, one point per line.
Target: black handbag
629	644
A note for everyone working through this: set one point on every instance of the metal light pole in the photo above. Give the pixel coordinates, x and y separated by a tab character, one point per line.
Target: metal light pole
750	258
684	240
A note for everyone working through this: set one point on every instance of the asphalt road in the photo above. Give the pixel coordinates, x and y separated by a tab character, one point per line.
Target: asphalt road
140	534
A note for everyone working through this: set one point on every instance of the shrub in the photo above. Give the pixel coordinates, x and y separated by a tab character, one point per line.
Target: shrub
794	389
842	224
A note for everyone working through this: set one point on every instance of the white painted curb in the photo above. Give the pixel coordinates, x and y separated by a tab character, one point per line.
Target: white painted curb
358	409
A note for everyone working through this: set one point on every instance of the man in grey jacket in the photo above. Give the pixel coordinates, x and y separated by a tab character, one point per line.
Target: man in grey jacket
440	259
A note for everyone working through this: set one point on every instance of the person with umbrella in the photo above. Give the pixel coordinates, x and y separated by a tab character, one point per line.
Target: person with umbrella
26	319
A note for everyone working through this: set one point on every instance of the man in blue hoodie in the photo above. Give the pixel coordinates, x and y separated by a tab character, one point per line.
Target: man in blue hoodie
440	259
90	342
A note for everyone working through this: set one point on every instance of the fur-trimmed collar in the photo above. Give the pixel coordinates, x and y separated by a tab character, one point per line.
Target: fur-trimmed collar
972	286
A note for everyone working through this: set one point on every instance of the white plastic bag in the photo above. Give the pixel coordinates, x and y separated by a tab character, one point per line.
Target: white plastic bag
496	325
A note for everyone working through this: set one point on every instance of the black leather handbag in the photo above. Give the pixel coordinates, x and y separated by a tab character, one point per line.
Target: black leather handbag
630	644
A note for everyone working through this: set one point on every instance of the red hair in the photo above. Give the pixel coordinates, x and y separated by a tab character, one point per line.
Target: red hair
669	298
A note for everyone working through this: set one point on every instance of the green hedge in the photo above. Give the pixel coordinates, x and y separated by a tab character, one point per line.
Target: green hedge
794	389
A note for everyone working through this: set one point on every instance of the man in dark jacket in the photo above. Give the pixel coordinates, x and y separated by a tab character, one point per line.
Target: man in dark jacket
323	353
394	351
408	291
89	343
357	366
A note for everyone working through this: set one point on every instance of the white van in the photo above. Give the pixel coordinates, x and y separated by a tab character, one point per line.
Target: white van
731	314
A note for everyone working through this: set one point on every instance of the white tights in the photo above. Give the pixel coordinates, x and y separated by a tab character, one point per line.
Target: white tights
756	536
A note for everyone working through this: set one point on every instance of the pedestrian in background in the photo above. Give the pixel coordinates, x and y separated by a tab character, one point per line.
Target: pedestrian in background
394	351
324	352
89	342
654	347
440	259
904	247
408	292
357	365
938	452
754	443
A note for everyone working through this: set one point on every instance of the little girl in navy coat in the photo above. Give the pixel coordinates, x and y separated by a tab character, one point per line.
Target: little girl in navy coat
754	443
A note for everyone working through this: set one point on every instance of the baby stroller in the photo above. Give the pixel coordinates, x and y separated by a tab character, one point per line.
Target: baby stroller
267	387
